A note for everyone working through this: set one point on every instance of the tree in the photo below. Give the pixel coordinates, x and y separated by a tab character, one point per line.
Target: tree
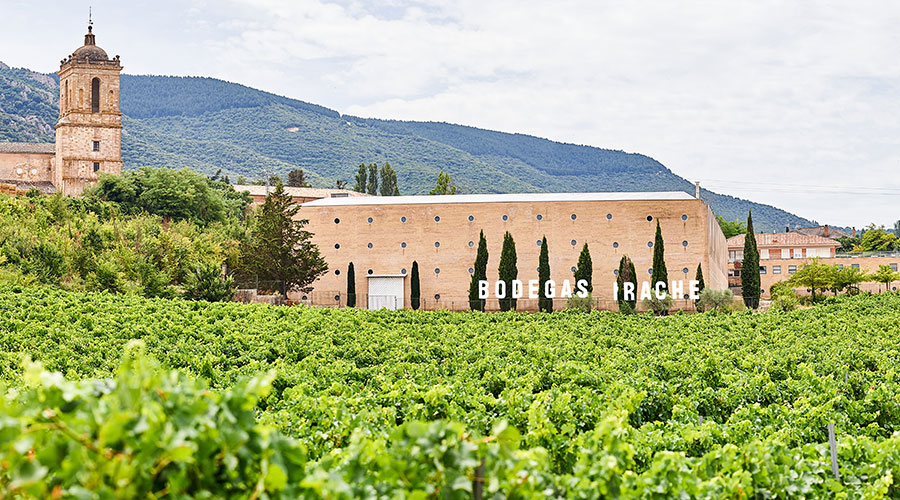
279	249
351	286
885	275
508	271
389	181
545	302
585	268
660	273
205	281
700	286
626	274
479	274
360	186
877	239
750	267
444	185
297	178
814	276
731	228
847	278
414	289
340	184
897	228
372	186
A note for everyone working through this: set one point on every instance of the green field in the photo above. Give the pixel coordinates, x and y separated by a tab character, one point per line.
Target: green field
595	405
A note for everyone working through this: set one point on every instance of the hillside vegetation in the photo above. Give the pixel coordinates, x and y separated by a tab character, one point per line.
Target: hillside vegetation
409	404
207	125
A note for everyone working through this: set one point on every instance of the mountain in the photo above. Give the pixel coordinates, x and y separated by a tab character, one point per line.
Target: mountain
208	124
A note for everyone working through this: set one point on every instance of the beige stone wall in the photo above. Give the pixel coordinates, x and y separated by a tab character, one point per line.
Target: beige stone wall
628	228
78	127
868	264
717	254
26	167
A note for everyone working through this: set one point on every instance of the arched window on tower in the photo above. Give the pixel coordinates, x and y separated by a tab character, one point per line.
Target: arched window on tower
95	95
65	95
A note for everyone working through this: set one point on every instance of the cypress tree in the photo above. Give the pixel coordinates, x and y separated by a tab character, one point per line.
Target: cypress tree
414	293
626	275
480	268
372	185
701	286
750	267
585	269
545	303
351	286
659	261
360	186
508	271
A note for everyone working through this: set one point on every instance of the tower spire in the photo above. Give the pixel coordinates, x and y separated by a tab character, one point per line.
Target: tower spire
89	38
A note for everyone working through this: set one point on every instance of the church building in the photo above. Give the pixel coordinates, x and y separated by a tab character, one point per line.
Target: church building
88	131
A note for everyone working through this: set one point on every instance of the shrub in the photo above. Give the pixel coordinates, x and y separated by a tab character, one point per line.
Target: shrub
783	297
583	304
660	307
205	282
716	300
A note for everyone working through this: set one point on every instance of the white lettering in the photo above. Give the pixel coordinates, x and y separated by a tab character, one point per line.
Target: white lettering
616	291
628	292
677	289
549	289
659	289
582	288
566	290
645	290
483	289
532	289
516	289
695	289
500	289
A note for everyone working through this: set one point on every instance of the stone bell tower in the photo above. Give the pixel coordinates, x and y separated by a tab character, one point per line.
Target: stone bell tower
89	130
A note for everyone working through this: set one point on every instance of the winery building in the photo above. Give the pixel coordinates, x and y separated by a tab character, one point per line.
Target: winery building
382	236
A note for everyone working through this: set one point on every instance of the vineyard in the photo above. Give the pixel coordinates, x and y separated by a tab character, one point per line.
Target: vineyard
159	398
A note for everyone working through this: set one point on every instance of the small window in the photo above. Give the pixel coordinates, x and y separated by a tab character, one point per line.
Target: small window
96	146
776	269
471	244
573	242
96	166
649	218
471	218
574	216
402	219
304	297
608	216
683	216
539	216
505	217
437	244
616	272
650	271
615	244
893	267
370	271
337	246
573	269
337	272
337	298
538	242
686	296
792	269
337	221
471	271
95	95
403	245
650	244
762	269
437	296
403	271
369	245
437	218
684	243
685	270
437	270
370	220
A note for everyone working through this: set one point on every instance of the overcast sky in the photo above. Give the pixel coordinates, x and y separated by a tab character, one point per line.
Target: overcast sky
800	98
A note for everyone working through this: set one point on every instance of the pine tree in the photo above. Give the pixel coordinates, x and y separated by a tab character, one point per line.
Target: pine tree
750	267
479	274
414	293
626	275
372	177
701	285
388	181
444	184
508	271
351	286
545	303
659	262
585	269
297	178
360	186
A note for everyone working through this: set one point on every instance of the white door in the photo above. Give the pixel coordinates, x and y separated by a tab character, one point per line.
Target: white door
385	292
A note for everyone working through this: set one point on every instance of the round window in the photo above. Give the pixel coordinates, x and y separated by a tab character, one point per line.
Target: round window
337	272
574	216
505	217
684	243
437	218
608	216
650	244
437	296
403	271
471	244
616	272
573	269
402	219
337	221
369	271
615	244
683	216
650	271
649	218
337	246
370	220
471	271
471	218
337	298
369	245
685	270
403	245
538	242
437	270
573	242
540	217
437	244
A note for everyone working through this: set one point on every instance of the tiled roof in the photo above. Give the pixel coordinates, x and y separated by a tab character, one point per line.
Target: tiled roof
296	192
27	147
501	198
820	231
783	240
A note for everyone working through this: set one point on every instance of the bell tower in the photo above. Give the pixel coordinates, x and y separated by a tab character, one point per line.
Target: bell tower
89	129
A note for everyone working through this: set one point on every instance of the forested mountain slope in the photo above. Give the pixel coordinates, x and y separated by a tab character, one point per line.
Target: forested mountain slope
208	124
